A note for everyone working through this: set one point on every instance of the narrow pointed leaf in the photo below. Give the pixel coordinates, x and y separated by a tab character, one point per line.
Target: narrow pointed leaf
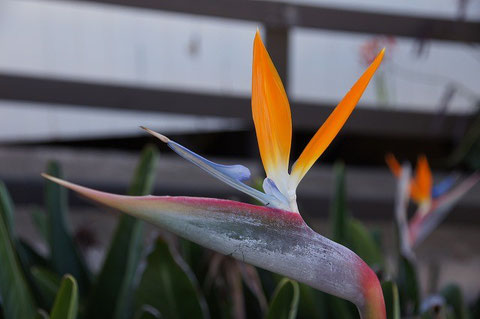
168	285
66	301
363	244
6	209
64	253
312	303
269	238
16	297
408	287
284	304
111	297
338	210
41	223
349	231
47	283
392	301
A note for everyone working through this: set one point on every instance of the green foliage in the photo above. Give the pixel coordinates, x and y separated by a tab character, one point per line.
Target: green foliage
41	223
47	283
361	241
348	231
66	301
111	296
178	285
17	300
338	210
64	254
312	303
454	297
6	209
392	301
284	303
169	286
408	287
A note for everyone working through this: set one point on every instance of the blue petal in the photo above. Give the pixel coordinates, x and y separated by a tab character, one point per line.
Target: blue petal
232	175
444	186
271	188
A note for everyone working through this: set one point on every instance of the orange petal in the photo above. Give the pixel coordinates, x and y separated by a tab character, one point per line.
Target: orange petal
421	186
393	164
271	115
333	124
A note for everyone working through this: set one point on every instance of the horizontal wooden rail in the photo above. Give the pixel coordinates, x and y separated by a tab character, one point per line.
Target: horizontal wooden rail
306	116
278	14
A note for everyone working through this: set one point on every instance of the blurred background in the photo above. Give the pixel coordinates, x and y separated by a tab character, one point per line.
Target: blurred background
77	78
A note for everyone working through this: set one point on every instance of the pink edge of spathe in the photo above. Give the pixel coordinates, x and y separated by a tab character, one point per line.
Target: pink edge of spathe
273	239
421	225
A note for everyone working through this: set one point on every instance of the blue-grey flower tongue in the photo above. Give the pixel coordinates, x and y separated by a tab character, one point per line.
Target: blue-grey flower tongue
270	188
444	186
233	175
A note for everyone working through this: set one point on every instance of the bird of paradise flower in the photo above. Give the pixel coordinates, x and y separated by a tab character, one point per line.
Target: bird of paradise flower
274	237
434	201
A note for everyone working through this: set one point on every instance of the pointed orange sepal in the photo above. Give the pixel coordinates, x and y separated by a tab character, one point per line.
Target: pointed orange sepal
333	124
393	164
271	114
421	185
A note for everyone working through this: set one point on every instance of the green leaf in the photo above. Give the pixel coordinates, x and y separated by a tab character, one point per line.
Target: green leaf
475	309
66	301
144	177
111	297
29	256
284	303
17	301
392	301
363	244
6	209
47	283
454	297
340	308
64	254
168	285
408	287
312	303
41	223
338	211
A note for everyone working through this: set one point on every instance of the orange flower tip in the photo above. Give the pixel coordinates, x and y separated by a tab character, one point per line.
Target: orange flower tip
161	137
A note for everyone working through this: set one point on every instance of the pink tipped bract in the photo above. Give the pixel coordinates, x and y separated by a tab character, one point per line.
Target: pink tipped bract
273	239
